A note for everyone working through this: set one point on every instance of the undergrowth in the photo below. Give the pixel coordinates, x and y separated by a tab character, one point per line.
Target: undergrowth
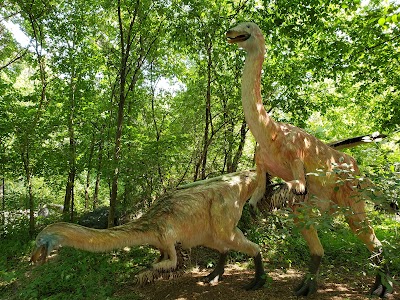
74	274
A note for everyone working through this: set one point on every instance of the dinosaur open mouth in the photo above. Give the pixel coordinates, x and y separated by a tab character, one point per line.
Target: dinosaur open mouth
238	38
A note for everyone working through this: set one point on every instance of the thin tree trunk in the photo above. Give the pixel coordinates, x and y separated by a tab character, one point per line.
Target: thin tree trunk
202	162
28	177
99	166
120	118
69	191
239	151
27	136
89	168
3	200
128	38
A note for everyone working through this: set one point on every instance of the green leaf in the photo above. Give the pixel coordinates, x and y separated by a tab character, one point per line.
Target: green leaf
381	21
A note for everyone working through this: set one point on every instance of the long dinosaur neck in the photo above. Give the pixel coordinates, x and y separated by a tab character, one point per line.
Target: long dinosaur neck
94	240
260	123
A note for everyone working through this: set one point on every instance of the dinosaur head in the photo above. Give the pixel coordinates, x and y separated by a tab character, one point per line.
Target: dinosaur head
45	243
39	255
248	36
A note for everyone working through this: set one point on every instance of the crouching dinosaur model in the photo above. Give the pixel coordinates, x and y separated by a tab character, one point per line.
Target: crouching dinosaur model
290	153
205	214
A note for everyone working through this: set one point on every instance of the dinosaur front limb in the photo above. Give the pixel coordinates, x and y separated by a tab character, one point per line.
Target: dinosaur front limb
298	184
219	270
260	189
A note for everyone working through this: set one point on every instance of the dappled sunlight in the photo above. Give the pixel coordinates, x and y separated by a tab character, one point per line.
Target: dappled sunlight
190	286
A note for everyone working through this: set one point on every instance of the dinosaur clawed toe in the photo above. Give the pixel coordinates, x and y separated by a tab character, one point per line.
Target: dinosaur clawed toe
307	287
215	276
256	283
212	278
383	286
150	275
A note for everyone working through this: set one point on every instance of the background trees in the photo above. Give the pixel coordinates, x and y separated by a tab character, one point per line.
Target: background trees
112	103
115	103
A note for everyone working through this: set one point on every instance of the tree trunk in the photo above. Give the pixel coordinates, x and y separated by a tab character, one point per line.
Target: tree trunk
28	178
89	168
120	118
69	191
202	162
239	151
131	67
99	166
3	199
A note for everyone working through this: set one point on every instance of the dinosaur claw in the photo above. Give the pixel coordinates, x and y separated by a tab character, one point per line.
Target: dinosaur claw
301	192
383	286
255	284
211	279
307	287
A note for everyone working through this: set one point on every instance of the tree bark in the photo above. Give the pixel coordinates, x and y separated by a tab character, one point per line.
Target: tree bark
3	199
89	168
239	151
202	162
132	67
28	177
98	173
68	211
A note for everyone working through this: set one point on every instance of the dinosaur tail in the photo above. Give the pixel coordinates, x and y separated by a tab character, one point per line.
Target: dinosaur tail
89	239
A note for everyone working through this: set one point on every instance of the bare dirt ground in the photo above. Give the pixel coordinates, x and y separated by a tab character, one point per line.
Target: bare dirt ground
280	287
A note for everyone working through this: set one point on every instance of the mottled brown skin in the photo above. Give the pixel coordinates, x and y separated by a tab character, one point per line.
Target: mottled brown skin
205	214
292	154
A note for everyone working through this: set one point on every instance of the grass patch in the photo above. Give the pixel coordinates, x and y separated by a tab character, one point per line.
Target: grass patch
74	274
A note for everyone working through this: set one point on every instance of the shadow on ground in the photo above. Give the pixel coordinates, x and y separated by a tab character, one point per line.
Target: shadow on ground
189	286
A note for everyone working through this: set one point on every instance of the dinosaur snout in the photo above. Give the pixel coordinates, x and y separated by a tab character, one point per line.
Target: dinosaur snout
235	36
39	255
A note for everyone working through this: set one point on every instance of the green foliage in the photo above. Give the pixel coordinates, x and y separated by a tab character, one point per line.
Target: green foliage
330	68
72	273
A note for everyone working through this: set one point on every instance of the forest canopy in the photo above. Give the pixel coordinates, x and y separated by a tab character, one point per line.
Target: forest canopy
116	102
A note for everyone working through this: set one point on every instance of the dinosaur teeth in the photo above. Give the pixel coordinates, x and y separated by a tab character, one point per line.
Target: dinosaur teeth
238	38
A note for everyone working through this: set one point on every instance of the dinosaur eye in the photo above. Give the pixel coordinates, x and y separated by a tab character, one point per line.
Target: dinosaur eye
248	26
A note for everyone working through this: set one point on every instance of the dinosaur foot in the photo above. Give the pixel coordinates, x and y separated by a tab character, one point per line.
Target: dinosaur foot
256	283
212	278
383	286
216	274
150	275
307	287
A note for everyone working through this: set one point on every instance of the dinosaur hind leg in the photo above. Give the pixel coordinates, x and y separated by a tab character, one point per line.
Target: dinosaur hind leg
238	242
309	285
219	270
169	260
359	224
166	263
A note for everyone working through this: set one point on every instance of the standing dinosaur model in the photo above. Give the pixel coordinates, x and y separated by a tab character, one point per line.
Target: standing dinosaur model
290	153
205	214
